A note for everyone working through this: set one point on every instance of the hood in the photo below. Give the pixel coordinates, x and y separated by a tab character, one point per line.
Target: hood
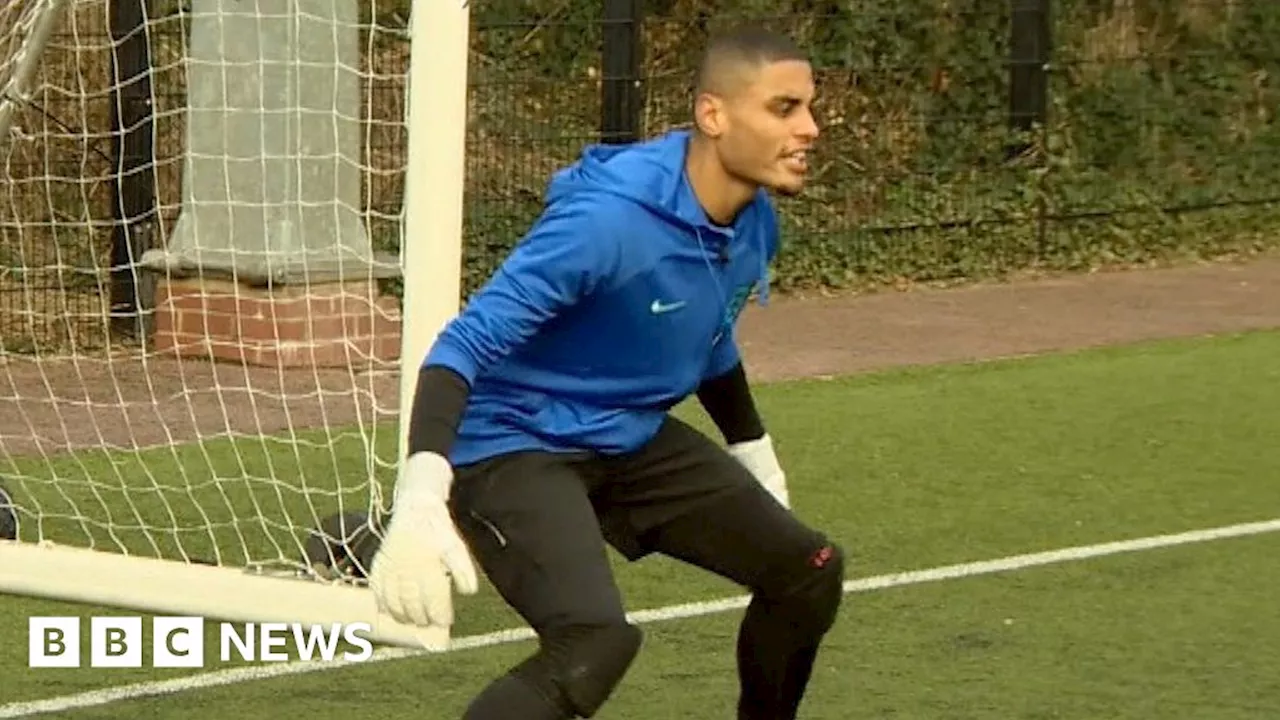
650	173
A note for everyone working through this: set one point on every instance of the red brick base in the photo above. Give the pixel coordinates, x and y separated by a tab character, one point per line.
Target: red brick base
329	325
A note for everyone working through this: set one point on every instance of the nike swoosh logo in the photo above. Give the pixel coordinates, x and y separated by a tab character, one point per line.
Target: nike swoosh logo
657	308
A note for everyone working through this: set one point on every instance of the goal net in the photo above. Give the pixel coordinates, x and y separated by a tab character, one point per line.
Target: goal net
202	325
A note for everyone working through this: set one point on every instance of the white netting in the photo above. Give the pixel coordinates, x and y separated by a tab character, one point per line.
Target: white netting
107	439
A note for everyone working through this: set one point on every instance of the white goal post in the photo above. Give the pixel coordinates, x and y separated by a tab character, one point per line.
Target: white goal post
24	32
141	480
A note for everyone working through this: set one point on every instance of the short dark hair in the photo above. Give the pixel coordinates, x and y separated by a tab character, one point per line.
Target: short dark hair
728	53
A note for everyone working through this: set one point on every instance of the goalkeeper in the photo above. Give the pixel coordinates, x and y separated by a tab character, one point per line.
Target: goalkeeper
540	428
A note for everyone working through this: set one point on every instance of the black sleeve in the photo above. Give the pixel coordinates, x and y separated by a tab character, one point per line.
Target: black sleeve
727	400
438	404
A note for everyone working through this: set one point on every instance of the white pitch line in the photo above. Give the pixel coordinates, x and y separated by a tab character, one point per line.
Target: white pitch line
106	696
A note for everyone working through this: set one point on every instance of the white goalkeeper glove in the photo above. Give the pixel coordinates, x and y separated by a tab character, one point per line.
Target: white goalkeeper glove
422	549
758	458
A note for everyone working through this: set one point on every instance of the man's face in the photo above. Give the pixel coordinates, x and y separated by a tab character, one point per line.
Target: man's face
767	127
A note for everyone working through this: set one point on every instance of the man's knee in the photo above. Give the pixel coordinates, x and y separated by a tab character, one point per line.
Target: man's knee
579	666
811	596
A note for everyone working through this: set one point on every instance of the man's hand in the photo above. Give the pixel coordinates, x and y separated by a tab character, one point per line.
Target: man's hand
757	456
422	548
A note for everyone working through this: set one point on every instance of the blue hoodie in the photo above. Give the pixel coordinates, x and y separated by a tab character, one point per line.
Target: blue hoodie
616	305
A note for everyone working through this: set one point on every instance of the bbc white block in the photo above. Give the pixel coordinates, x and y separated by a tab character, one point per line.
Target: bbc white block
177	642
115	642
53	642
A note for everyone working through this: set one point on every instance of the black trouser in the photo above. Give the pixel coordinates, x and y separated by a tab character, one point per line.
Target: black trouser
537	524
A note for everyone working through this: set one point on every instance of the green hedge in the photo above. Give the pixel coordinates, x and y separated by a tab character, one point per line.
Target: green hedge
1162	140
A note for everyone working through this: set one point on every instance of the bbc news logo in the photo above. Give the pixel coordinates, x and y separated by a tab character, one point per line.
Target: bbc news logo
179	642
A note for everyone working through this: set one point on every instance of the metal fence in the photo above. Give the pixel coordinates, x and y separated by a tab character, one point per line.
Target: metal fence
960	138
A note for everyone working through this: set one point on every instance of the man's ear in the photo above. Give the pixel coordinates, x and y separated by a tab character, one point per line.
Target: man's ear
709	115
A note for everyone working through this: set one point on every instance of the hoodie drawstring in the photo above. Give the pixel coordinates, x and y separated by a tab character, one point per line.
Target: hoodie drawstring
726	323
763	298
